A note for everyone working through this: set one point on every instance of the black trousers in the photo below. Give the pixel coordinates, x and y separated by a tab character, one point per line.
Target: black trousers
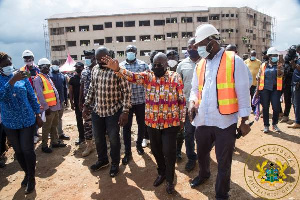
22	142
287	93
252	92
79	121
224	140
163	147
2	140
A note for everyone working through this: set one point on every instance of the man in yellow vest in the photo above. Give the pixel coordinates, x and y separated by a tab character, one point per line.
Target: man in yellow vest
219	95
49	100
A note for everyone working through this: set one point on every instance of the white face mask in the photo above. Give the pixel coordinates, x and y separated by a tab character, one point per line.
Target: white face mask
8	70
172	63
202	52
55	67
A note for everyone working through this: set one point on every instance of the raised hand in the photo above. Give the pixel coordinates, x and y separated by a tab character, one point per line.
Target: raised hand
111	63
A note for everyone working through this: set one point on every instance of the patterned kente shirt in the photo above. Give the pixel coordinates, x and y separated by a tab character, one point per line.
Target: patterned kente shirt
107	92
138	91
85	80
165	102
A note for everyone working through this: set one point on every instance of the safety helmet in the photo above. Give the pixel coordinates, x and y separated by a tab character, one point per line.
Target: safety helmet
27	53
272	50
43	61
204	31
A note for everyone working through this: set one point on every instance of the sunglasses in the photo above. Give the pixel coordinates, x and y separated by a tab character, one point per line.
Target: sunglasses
157	65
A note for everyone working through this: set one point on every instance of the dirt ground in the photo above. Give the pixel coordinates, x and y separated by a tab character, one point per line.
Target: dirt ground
64	174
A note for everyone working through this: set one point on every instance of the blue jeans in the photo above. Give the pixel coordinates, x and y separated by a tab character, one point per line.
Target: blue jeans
189	136
296	103
272	97
101	127
139	111
22	142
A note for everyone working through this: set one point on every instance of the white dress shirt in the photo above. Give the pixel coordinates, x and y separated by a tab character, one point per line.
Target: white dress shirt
208	112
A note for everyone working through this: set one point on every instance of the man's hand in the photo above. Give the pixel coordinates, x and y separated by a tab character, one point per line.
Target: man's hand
39	121
111	63
48	112
256	93
17	77
244	128
85	112
193	111
123	119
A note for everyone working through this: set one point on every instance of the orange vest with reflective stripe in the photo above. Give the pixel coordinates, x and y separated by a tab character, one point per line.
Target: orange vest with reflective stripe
227	98
262	79
48	91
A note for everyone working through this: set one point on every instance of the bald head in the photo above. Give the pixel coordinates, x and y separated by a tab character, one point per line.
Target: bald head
160	59
253	53
231	47
100	53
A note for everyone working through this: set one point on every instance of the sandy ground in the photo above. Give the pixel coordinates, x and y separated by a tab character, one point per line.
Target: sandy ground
64	174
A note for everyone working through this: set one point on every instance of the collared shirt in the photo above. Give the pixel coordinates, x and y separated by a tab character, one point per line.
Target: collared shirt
60	83
33	72
208	112
270	77
39	87
138	92
85	80
165	102
254	68
186	70
18	103
107	92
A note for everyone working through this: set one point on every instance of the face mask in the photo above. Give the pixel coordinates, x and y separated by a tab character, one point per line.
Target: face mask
130	56
202	52
55	67
252	58
88	62
29	63
8	70
274	59
78	71
172	63
159	71
193	53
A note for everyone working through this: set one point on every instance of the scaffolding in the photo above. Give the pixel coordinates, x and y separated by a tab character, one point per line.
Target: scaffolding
46	38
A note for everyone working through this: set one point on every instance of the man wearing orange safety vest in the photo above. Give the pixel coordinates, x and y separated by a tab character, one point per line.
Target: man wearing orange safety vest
49	100
29	66
219	95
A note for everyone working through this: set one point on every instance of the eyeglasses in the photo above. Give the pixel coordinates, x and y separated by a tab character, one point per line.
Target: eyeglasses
157	65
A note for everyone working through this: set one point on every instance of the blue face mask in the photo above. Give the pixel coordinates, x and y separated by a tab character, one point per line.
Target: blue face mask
130	56
202	52
193	53
88	62
252	58
7	71
274	59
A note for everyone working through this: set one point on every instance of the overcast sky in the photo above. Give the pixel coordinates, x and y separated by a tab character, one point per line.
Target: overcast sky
21	21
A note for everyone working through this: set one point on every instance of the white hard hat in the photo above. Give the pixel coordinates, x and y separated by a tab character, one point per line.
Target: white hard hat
205	30
27	53
272	50
43	61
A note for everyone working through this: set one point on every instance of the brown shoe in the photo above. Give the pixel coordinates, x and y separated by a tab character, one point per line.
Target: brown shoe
294	126
284	119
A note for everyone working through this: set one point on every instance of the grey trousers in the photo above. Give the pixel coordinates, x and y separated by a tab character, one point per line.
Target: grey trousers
224	140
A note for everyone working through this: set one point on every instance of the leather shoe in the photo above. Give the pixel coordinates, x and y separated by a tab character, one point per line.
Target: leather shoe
30	185
114	170
25	181
127	158
140	150
197	181
64	137
170	188
159	180
59	144
79	141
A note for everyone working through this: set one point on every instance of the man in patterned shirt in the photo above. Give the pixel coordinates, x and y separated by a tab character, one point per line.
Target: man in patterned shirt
165	112
138	104
109	95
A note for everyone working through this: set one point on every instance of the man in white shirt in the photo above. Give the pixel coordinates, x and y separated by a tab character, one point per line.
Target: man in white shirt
219	95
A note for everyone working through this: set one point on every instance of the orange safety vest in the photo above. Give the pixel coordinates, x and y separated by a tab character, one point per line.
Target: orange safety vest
48	91
262	79
227	98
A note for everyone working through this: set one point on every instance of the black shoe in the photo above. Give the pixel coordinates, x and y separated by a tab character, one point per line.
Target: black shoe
127	158
64	137
190	165
2	164
30	186
79	141
59	144
178	157
25	181
114	170
46	150
170	188
98	165
159	180
197	181
140	150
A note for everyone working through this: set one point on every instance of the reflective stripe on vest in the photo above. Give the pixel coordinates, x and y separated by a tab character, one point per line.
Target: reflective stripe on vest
227	98
48	91
262	79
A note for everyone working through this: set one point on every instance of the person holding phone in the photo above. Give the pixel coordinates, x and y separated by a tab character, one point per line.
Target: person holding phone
20	113
270	86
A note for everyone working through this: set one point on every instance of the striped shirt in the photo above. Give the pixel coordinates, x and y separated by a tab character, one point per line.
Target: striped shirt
165	102
107	92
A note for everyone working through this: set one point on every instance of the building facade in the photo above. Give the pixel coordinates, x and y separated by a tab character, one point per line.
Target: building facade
160	29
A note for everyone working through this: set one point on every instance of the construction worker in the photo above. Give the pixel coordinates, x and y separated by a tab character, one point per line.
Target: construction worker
50	104
219	95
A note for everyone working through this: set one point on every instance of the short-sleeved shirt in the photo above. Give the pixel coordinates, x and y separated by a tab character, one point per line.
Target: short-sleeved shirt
75	82
254	68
